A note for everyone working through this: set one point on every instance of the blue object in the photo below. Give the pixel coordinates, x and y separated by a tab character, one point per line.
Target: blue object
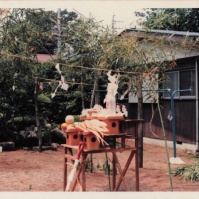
173	118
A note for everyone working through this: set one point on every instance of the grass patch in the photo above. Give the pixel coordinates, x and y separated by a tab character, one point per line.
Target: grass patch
188	172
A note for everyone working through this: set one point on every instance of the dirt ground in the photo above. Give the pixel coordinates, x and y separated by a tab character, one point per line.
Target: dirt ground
25	170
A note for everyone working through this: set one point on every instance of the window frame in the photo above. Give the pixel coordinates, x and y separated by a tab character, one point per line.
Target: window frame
177	95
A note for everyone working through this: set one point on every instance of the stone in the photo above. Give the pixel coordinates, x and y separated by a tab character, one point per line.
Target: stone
55	145
28	138
58	136
7	146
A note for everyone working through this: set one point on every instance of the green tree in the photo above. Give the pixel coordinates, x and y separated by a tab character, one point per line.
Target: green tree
23	34
179	19
83	39
88	52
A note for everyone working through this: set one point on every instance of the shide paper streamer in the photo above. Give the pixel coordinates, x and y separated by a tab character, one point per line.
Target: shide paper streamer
61	84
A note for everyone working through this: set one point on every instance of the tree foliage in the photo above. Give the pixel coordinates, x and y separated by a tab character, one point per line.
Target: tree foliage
179	19
88	52
84	44
23	34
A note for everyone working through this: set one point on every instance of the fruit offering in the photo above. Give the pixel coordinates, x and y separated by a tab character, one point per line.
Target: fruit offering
69	123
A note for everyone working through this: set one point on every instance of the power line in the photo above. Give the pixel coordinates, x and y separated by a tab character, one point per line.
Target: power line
79	13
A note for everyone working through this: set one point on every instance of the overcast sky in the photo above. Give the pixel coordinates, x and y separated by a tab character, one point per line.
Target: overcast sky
123	10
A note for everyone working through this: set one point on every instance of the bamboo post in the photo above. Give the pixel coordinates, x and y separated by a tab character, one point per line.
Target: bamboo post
140	126
39	134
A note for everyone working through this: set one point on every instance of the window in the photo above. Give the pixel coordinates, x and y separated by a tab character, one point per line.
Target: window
187	81
181	80
149	85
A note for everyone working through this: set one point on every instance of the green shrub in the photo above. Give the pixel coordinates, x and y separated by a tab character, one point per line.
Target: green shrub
188	172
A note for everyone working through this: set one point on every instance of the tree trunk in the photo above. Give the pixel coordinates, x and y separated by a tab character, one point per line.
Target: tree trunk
140	127
39	134
96	89
82	91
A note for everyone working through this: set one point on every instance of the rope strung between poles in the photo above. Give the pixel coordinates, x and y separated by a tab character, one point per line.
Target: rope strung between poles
81	67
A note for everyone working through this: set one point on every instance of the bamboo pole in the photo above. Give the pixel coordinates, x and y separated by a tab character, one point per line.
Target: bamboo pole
165	140
39	134
140	126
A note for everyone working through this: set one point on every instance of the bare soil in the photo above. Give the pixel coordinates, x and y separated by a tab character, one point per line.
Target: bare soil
24	170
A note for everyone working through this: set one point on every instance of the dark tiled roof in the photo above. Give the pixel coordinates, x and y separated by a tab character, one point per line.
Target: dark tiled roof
170	32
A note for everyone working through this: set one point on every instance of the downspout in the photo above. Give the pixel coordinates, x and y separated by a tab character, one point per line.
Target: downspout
197	134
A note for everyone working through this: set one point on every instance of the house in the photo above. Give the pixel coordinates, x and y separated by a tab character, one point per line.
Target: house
45	57
183	84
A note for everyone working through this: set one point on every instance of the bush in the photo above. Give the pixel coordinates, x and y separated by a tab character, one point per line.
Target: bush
188	172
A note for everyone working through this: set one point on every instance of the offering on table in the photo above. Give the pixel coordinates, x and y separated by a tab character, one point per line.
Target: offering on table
69	123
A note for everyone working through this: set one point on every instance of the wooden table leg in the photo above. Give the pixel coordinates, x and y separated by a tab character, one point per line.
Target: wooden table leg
66	150
124	170
83	166
137	170
120	170
114	173
137	157
65	169
114	167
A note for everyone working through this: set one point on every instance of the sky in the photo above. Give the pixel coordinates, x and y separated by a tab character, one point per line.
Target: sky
103	10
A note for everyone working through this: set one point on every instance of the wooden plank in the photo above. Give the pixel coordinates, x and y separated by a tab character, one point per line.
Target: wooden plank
70	157
109	150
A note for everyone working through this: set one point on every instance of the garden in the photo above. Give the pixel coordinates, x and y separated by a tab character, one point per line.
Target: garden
37	96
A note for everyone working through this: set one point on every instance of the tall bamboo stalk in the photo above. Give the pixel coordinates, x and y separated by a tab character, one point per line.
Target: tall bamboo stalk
82	91
165	140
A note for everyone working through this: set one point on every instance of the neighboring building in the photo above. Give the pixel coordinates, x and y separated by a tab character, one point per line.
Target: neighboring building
45	57
183	76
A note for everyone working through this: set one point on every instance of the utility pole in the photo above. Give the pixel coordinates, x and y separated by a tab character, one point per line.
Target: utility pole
113	24
59	30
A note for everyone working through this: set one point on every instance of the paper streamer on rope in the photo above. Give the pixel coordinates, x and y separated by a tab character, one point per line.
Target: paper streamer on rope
58	69
62	83
53	94
13	87
14	77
